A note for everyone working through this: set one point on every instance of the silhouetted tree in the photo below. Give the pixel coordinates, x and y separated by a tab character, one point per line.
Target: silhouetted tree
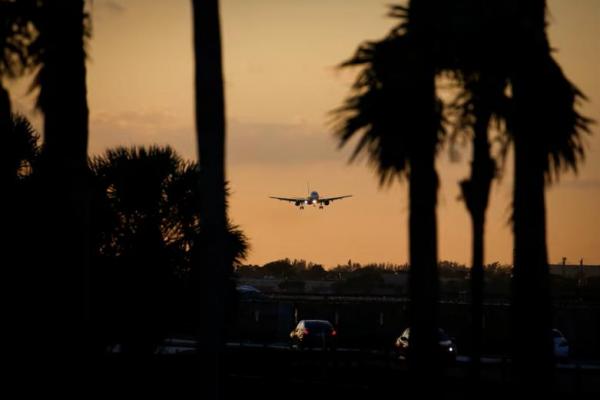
22	151
482	99
135	218
395	108
470	36
15	35
61	264
280	269
19	205
496	48
14	38
146	233
315	271
210	126
475	192
547	132
6	63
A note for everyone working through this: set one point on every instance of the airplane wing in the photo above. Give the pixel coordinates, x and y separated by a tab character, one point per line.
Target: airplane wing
334	198
293	200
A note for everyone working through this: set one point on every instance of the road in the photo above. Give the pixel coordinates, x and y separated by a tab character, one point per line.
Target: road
348	366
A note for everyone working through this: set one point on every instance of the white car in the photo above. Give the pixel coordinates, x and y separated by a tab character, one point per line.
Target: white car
560	345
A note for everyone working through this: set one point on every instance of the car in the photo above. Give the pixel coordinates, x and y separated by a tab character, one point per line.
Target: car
560	345
248	292
446	345
314	333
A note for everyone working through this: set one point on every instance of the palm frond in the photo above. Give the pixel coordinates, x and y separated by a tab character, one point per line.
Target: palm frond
564	127
384	110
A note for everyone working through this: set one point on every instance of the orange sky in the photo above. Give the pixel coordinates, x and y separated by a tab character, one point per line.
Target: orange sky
280	58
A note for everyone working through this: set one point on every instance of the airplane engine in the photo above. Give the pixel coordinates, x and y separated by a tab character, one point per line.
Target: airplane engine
297	203
326	202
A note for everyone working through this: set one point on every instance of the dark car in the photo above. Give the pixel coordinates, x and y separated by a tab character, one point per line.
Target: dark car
247	292
446	345
315	333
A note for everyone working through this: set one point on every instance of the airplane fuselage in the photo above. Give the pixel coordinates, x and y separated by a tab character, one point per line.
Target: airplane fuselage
312	199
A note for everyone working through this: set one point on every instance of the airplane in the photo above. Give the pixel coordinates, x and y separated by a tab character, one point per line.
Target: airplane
312	199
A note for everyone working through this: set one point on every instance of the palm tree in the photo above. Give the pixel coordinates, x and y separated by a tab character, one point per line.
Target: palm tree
134	208
5	129
210	125
59	51
545	128
146	230
19	161
472	39
395	109
14	37
547	133
22	150
481	99
541	120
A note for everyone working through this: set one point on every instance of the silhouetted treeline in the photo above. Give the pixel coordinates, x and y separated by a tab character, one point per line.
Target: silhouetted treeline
145	235
353	278
287	268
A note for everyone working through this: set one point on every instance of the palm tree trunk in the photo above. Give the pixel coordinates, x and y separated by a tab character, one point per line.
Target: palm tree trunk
6	169
532	308
423	185
477	282
532	316
63	101
475	192
12	285
210	124
423	266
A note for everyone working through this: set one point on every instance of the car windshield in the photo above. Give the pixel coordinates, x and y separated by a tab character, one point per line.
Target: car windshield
556	333
318	326
442	335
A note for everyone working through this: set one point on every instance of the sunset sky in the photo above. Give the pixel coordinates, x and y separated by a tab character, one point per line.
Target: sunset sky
281	81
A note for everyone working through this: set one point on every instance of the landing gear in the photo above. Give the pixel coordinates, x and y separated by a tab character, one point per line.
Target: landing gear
320	207
302	207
